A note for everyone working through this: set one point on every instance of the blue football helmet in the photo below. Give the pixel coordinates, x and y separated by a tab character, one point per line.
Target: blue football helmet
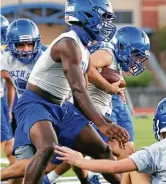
23	31
94	15
4	26
159	121
131	47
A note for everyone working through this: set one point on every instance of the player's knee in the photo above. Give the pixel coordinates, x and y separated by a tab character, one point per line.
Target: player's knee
8	154
21	165
9	146
46	149
18	168
106	154
8	151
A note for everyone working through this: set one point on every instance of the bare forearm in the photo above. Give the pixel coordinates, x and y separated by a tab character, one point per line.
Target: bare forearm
107	166
100	166
10	94
81	96
86	105
97	80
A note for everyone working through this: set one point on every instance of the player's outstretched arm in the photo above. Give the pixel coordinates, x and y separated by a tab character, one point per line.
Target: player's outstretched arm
101	166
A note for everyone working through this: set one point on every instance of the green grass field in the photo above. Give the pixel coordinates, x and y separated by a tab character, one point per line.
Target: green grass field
143	135
143	132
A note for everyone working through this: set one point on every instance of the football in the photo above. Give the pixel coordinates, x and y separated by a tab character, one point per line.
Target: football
112	76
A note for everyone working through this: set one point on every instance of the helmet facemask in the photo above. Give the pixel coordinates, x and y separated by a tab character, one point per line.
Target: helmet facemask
105	29
21	32
132	60
24	56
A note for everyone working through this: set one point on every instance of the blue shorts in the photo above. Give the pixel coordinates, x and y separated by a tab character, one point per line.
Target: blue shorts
31	108
6	130
121	115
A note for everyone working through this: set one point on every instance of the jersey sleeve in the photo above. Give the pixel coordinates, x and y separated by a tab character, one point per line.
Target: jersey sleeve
107	46
144	160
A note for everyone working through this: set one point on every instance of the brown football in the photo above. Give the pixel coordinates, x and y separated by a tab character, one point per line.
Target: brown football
112	76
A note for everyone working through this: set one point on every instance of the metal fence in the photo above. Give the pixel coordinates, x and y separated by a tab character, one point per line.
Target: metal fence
146	97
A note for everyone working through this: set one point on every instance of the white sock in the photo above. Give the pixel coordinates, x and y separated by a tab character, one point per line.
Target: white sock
52	176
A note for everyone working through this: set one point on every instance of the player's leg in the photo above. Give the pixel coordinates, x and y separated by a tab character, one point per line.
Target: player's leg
137	178
122	116
51	177
90	143
44	138
82	175
14	171
126	179
36	117
23	151
77	133
54	169
124	119
8	146
7	140
17	170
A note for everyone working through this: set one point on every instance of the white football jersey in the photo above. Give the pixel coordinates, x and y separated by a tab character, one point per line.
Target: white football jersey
101	99
152	160
18	72
48	74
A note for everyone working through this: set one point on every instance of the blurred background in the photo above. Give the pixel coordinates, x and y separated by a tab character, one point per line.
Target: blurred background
144	91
